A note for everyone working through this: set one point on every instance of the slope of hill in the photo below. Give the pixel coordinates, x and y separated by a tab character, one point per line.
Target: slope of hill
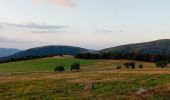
36	79
7	52
46	51
154	47
43	64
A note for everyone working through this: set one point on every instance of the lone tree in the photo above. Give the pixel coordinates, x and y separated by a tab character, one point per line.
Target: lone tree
161	64
59	69
75	66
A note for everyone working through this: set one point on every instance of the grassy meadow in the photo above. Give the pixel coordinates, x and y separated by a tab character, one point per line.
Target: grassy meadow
35	80
42	65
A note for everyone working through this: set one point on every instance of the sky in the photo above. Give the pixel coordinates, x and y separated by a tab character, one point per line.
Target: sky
92	24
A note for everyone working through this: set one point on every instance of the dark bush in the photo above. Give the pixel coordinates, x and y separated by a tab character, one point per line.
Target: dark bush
161	64
75	66
129	65
126	65
118	67
61	55
140	66
59	69
132	64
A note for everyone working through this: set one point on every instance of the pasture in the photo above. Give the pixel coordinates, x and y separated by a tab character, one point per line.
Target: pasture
98	79
42	65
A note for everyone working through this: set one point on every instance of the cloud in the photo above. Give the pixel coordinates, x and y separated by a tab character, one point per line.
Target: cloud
47	31
65	3
103	31
32	26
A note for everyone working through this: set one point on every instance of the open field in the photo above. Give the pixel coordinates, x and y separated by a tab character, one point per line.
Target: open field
107	82
42	65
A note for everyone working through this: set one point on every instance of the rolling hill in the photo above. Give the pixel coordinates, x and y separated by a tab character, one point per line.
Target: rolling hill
7	52
154	47
43	64
46	51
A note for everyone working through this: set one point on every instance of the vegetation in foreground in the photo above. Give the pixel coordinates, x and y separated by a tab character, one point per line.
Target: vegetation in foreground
96	80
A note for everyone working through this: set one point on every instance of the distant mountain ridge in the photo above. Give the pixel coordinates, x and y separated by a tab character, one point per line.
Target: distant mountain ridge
46	51
154	47
8	51
161	47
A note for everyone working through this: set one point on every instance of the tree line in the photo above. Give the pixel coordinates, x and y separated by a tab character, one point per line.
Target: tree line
129	56
132	65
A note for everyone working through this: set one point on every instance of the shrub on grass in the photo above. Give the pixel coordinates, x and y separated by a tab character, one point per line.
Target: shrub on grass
75	66
118	67
161	64
61	55
140	66
59	69
130	65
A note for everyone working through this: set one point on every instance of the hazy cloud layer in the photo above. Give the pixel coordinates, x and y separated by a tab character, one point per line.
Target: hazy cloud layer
103	31
47	31
32	26
65	3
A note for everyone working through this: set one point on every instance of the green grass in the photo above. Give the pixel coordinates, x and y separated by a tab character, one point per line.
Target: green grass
108	82
42	65
51	89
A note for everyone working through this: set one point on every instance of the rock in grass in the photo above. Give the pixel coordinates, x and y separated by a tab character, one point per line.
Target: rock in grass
141	91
